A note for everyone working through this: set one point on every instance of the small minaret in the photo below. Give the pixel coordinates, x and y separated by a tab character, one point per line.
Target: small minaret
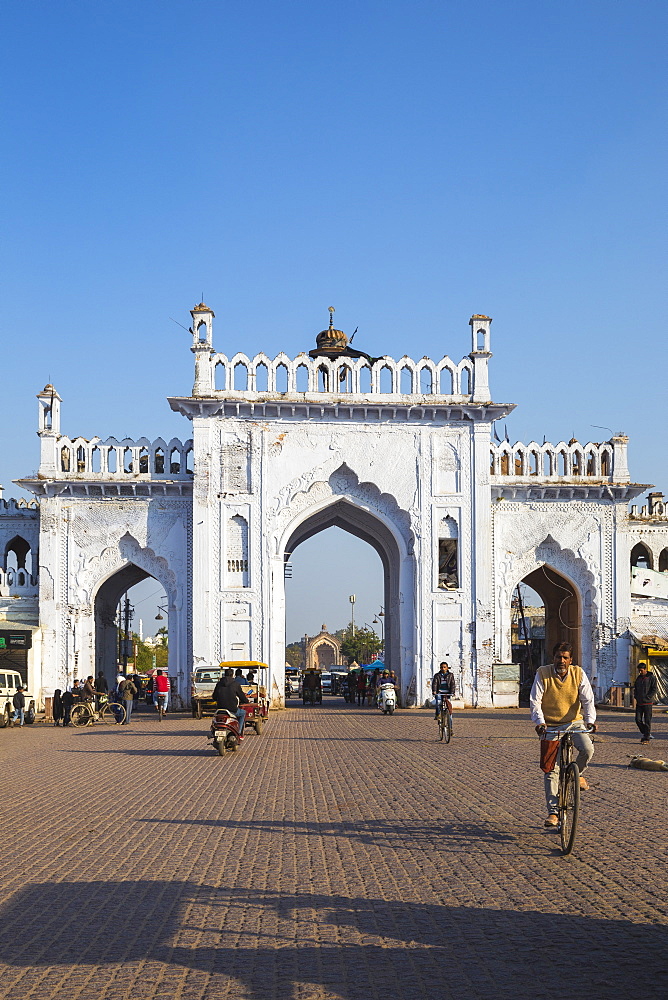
202	348
49	429
480	355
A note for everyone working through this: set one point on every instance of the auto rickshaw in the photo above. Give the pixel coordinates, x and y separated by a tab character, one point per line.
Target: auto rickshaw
312	692
205	679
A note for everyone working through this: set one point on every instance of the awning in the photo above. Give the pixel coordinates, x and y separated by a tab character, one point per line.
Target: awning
650	630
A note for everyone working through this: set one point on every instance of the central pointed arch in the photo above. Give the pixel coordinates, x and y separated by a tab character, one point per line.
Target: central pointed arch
398	572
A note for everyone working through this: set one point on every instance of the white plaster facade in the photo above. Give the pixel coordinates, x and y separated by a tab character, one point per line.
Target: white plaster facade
396	452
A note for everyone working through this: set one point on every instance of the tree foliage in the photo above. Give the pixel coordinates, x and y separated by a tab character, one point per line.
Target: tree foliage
294	654
360	645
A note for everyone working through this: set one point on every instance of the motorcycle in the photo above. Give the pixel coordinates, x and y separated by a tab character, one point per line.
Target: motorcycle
387	698
224	732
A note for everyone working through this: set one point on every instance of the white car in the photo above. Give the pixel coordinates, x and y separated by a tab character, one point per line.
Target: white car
9	682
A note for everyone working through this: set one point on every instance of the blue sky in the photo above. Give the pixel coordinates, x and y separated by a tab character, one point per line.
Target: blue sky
408	163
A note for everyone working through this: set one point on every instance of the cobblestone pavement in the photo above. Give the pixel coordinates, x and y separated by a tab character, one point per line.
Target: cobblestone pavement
341	855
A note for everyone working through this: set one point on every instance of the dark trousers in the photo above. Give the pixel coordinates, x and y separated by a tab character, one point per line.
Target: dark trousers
644	720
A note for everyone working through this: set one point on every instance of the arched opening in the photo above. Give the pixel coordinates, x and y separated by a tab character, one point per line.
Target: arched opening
641	556
365	379
132	625
663	561
220	377
446	382
201	332
465	382
426	382
127	460
159	460
143	460
385	384
406	381
302	378
240	376
261	378
322	579
545	609
281	379
17	554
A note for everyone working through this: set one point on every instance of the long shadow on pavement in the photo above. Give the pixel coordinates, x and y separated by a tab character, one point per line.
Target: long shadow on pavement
271	943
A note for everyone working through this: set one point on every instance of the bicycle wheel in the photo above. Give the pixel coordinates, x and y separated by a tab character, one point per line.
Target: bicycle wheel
80	716
112	712
569	807
447	728
441	726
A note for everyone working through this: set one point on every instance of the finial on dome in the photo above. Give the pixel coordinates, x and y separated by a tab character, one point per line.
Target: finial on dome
332	310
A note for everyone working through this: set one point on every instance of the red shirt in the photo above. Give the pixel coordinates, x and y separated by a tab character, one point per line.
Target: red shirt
161	684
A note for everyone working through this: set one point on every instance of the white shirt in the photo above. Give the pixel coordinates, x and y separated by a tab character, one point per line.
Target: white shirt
584	691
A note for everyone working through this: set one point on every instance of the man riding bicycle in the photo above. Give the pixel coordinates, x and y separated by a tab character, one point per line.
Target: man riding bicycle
443	686
562	697
161	691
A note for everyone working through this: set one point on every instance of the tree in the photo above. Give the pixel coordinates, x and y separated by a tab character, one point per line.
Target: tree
294	654
361	645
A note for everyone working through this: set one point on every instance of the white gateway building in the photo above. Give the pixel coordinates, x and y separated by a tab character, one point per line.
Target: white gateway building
398	452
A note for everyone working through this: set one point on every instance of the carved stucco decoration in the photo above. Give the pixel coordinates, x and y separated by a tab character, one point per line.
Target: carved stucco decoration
90	573
344	482
513	568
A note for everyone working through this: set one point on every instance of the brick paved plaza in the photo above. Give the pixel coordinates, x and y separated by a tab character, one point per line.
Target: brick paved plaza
341	855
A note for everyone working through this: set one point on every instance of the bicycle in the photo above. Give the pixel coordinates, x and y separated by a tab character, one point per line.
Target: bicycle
85	713
161	705
568	802
444	719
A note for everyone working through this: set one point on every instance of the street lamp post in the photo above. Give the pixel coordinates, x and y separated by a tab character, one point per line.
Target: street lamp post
352	600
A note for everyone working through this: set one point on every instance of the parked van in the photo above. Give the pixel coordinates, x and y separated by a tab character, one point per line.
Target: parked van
9	682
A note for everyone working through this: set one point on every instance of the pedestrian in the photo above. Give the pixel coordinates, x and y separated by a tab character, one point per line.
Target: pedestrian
57	708
128	692
361	687
562	696
644	692
77	690
102	688
67	699
19	703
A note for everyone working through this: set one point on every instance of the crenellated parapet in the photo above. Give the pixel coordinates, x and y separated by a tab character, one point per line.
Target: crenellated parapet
335	370
110	459
241	375
572	468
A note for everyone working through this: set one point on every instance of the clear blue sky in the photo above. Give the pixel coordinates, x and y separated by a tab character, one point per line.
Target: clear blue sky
410	163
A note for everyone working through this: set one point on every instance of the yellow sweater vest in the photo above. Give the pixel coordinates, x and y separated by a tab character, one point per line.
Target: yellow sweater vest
561	699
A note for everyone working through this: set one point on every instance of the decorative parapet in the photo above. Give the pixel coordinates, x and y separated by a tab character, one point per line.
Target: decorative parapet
655	509
554	461
405	380
127	460
20	508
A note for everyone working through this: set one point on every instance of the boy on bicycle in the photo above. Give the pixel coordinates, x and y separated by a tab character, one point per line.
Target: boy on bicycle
560	697
443	686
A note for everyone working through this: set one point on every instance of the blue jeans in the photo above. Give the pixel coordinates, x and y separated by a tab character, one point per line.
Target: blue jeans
241	718
127	705
585	749
19	713
438	705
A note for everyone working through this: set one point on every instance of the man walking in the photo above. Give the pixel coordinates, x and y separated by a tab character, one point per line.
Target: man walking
19	703
562	697
644	692
128	692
